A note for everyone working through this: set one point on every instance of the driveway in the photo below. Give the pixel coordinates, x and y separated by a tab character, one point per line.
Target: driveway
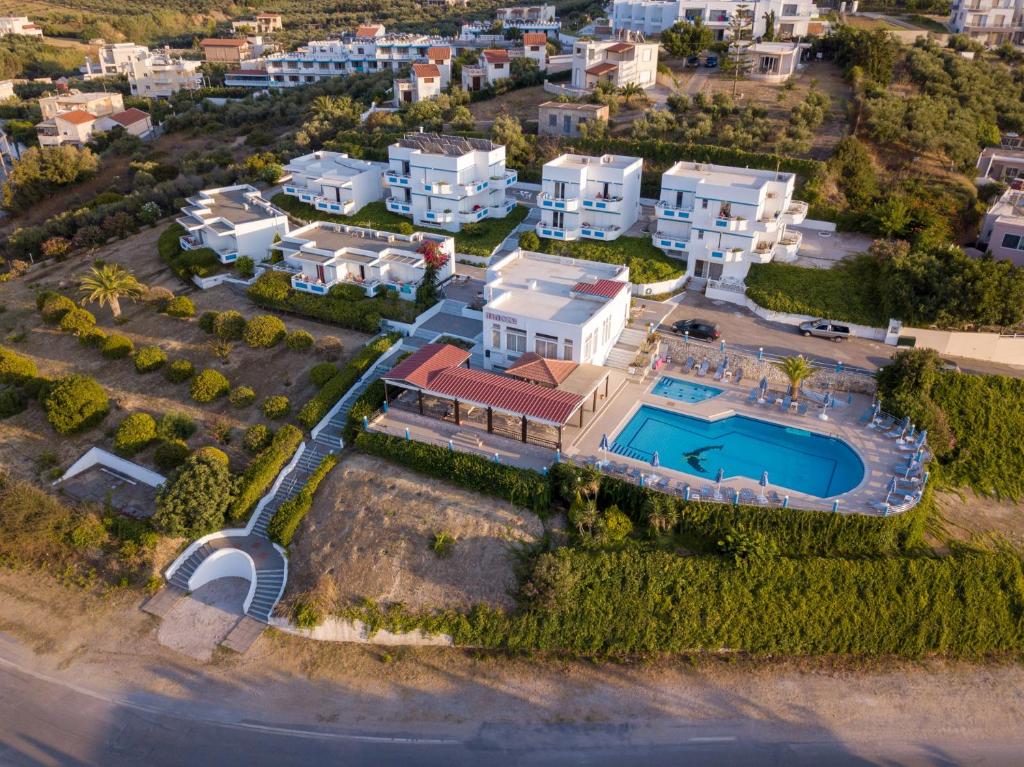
822	250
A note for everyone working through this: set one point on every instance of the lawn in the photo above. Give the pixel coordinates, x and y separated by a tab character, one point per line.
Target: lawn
845	292
478	240
646	263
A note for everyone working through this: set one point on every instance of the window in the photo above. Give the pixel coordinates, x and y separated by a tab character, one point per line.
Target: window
495	336
546	346
567	349
789	10
704	204
588	347
553	120
567	124
515	340
1013	241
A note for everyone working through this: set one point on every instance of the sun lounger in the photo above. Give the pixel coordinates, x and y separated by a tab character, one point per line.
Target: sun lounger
703	371
801	409
720	371
869	414
710	492
786	402
688	366
752	397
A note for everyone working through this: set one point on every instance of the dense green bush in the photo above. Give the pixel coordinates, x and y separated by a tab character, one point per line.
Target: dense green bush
257	437
135	433
245	267
263	470
523	487
209	452
180	306
170	455
93	338
646	263
207	320
55	306
179	371
335	388
300	340
117	347
173	426
16	368
242	396
289	514
322	372
75	403
77	321
846	292
276	406
12	400
229	325
366	404
192	502
150	358
264	331
209	385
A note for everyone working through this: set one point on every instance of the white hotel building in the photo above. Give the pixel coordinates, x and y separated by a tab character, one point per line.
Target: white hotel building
722	219
653	16
618	62
990	22
596	198
559	308
161	75
334	182
448	181
232	221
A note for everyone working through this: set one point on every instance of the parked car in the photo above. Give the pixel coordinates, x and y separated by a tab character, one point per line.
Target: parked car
826	329
711	62
701	329
693	61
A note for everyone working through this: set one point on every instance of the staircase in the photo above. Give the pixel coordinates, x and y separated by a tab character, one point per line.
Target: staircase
269	586
190	565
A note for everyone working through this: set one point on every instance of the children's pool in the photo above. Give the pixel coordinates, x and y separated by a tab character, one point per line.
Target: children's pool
796	459
684	391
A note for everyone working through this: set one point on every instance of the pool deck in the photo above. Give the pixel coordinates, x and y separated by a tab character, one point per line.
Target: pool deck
879	453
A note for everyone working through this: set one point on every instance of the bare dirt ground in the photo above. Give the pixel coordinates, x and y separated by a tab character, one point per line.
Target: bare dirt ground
522	103
195	626
371	526
24	437
973	518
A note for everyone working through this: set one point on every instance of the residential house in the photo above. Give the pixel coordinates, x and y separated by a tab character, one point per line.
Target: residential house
721	219
595	198
260	24
618	62
95	103
989	22
791	18
161	75
999	164
19	25
321	255
533	18
1002	231
232	221
535	48
494	64
447	181
112	59
334	182
6	89
555	307
424	82
1011	141
77	127
555	118
773	62
517	16
226	50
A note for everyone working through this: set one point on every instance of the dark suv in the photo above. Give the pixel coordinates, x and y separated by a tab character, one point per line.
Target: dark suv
702	329
826	329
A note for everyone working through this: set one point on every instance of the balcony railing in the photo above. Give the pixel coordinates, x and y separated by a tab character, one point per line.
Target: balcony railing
731	224
310	285
187	242
508	179
397	179
550	202
345	207
668	241
472	216
607	204
556	232
600	231
667	210
398	206
795	212
438	216
437	187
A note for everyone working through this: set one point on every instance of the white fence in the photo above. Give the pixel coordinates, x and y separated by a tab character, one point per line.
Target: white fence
96	456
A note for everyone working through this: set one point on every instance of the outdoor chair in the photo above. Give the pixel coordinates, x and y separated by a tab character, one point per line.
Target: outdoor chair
868	415
688	366
720	371
748	497
785	404
739	376
752	397
703	370
801	409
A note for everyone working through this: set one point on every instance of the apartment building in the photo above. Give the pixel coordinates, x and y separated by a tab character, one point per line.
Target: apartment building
447	181
990	22
232	221
161	75
19	25
555	118
321	255
618	62
77	127
334	182
248	77
1000	164
518	15
260	24
595	198
650	17
722	219
226	50
95	103
1002	230
112	59
555	307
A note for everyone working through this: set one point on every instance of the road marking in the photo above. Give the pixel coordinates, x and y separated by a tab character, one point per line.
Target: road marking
714	739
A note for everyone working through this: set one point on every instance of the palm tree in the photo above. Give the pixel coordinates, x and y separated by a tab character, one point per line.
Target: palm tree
797	370
108	284
630	92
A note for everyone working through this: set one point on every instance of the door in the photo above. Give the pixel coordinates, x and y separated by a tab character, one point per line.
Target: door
362	273
320	273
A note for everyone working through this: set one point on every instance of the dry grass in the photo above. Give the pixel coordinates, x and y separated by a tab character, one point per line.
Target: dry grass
522	103
973	518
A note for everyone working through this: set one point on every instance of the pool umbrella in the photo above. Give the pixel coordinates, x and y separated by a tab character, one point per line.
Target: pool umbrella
764	483
604	442
407	435
497	458
721	346
921	437
735	497
451	446
890	489
839	367
718	481
904	425
910	433
655	460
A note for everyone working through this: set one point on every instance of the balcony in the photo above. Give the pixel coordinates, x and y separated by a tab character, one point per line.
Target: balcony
789	246
557	232
600	231
187	242
437	187
763	252
398	206
343	208
502	210
472	216
438	216
605	204
795	213
506	180
227	258
731	224
397	179
668	242
474	187
569	204
309	285
666	210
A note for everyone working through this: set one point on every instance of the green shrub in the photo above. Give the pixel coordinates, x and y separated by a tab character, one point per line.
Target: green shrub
12	401
264	331
135	433
242	396
179	371
207	321
299	340
276	406
117	347
150	358
77	321
335	388
170	455
286	519
245	267
846	293
366	404
16	368
322	372
209	385
43	296
180	306
55	306
75	403
92	339
193	501
263	470
208	452
523	487
172	426
529	241
257	437
646	263
229	326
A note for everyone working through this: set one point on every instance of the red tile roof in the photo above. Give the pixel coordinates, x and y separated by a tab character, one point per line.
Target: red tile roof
620	47
419	366
604	288
439	52
76	116
495	56
602	69
426	70
369	30
532	367
223	42
535	38
129	116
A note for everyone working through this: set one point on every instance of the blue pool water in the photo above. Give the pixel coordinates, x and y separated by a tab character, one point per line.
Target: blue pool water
743	447
684	391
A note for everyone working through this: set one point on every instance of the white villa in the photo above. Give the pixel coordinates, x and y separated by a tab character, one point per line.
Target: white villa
494	64
112	59
1002	230
618	62
722	219
532	18
424	82
232	221
19	25
595	198
322	255
161	75
990	22
558	308
447	181
649	17
773	62
75	117
334	182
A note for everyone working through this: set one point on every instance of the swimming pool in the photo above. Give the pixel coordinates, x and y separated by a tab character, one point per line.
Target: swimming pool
684	391
743	447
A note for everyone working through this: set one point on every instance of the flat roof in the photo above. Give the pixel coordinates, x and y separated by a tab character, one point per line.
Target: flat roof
725	175
585	161
329	165
323	235
236	205
776	48
545	287
1010	205
573	106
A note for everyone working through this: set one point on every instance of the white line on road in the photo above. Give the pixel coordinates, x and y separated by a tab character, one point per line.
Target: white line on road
713	739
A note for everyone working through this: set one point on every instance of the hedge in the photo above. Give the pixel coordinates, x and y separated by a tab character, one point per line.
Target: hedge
209	385
135	433
75	403
322	372
257	437
264	331
77	321
16	368
366	404
12	401
523	487
242	396
229	325
336	387
289	514
276	406
300	340
263	470
54	307
150	358
179	371
117	347
180	306
202	262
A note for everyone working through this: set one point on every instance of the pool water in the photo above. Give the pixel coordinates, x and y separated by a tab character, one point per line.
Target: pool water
795	459
684	391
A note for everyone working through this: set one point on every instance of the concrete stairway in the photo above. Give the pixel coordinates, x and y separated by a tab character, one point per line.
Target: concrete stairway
269	586
190	565
624	352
